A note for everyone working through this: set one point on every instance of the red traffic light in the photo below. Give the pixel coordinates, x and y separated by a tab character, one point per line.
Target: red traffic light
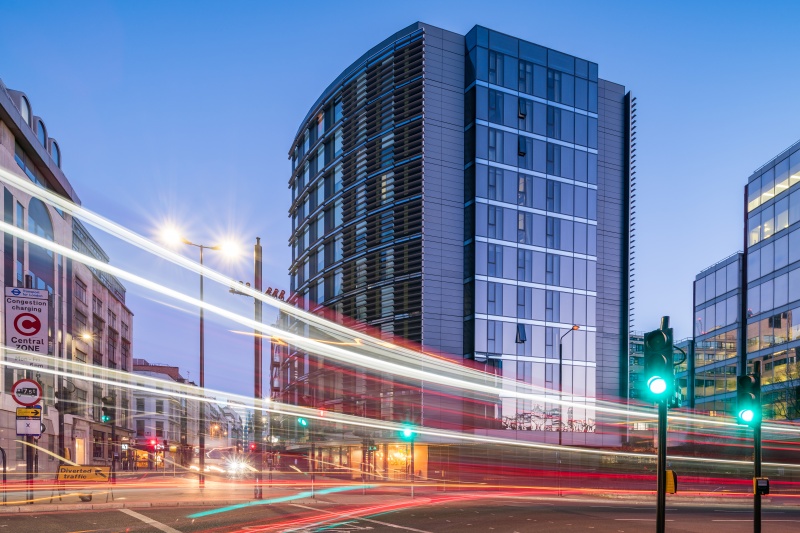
152	442
252	446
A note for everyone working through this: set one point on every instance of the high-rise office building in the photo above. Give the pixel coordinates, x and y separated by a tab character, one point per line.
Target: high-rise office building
472	194
772	270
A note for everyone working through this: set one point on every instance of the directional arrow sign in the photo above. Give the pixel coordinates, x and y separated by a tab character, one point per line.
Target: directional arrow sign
29	421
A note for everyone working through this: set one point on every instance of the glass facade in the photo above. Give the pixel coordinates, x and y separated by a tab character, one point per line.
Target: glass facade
516	130
531	143
772	333
717	322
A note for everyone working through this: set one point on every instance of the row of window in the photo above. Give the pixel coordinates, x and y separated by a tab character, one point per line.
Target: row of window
499	107
324	156
774	218
716	316
538	193
498	261
495	222
533	154
318	126
773	330
774	255
496	338
716	283
41	131
326	255
324	223
717	348
774	181
774	293
524	76
500	299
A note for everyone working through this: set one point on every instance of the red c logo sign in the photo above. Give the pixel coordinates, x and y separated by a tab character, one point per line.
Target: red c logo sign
27	324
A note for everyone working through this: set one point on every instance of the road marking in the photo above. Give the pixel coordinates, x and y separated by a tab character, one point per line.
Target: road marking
364	519
149	521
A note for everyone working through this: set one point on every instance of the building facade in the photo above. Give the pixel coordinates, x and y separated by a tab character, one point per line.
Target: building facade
717	324
28	149
469	194
772	269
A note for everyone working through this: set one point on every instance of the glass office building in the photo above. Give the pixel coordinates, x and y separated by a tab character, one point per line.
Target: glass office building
472	194
717	322
772	305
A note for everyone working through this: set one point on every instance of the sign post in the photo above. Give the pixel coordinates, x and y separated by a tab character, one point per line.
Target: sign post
27	393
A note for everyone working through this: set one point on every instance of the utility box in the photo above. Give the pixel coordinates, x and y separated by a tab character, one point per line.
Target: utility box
761	485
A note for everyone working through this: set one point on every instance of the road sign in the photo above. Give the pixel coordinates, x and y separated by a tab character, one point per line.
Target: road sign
27	319
29	412
26	392
29	421
84	473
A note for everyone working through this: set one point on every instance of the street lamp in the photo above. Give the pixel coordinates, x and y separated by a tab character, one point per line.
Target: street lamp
258	346
561	398
172	236
560	376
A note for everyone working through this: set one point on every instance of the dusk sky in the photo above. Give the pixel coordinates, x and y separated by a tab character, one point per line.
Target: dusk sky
185	111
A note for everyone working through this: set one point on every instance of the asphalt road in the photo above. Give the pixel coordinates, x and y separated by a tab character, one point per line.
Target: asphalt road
452	514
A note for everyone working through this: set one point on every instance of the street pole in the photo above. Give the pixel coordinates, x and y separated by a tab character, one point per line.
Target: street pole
560	401
757	457
28	438
113	437
413	472
258	344
661	477
202	428
313	465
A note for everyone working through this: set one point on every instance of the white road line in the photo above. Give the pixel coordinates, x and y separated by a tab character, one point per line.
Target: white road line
149	521
345	515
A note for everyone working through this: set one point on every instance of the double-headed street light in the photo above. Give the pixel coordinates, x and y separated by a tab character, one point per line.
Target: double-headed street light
172	236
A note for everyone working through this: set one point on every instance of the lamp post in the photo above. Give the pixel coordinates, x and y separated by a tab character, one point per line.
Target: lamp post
172	236
258	346
561	398
560	376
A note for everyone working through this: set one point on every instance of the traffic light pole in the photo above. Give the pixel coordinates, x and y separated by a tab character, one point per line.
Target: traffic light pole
661	478
757	473
757	454
113	437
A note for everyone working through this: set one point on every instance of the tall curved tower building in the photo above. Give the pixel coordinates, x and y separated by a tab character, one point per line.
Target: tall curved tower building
471	193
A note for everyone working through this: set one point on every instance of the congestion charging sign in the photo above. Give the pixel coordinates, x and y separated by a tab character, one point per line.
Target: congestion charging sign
27	320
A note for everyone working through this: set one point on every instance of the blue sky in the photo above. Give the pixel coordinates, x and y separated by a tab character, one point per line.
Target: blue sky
185	111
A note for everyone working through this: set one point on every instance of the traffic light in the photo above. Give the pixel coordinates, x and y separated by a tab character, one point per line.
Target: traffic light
302	422
252	446
407	433
108	416
748	399
658	363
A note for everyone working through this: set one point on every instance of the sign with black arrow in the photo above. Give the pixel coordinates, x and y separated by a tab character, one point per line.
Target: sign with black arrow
29	421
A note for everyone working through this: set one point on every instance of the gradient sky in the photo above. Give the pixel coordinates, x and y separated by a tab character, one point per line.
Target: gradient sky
185	111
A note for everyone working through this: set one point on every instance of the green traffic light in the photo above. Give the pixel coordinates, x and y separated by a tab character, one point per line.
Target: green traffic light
747	415
302	421
106	418
407	433
657	385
